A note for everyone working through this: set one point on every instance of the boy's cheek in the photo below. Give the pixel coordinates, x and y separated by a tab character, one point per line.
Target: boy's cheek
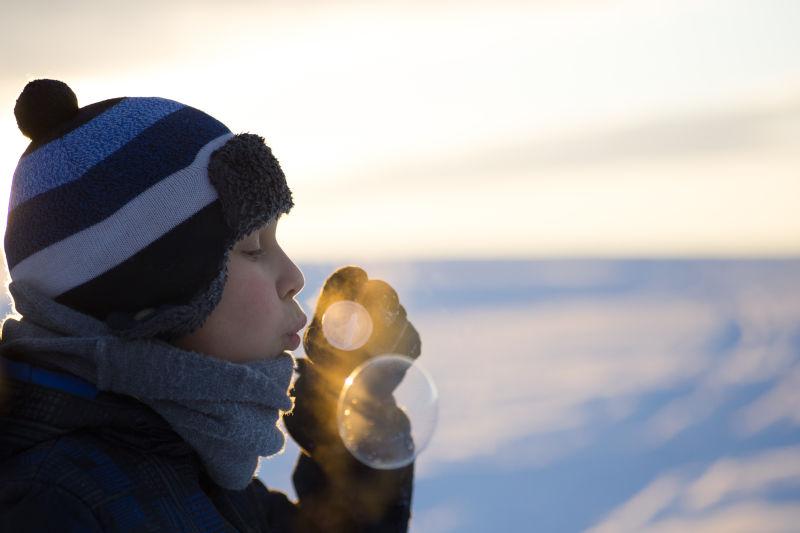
252	296
252	303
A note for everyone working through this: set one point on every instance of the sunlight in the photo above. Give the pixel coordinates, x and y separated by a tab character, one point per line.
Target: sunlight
507	135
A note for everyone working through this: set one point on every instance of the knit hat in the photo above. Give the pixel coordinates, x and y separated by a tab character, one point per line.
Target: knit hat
127	209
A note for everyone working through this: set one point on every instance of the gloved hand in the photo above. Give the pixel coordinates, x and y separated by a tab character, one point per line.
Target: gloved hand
313	421
335	491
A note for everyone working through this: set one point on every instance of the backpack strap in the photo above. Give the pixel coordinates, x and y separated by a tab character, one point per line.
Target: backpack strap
48	378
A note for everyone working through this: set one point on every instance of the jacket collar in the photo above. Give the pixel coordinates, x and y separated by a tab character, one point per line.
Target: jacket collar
38	404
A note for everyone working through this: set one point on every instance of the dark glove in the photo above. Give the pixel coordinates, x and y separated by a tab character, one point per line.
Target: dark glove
313	421
335	491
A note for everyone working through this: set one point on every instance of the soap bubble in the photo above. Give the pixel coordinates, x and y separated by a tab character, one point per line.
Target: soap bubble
387	411
346	325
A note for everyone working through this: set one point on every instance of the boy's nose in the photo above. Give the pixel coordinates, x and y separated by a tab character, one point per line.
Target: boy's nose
294	281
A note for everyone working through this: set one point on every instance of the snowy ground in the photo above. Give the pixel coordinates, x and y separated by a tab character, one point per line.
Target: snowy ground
614	395
602	395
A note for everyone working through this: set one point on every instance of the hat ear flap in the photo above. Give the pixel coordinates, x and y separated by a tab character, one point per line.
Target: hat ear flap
250	183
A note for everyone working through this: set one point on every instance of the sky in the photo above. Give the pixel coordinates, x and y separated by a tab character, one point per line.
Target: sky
416	130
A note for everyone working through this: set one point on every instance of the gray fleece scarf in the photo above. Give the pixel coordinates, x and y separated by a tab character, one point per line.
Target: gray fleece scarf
226	411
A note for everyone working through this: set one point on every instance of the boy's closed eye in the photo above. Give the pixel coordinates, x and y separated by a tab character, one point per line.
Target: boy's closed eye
252	248
254	245
253	253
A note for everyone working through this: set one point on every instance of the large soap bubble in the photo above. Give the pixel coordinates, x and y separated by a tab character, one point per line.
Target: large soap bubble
346	325
387	411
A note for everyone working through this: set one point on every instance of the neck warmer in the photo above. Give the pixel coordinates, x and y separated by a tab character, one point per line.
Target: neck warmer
227	412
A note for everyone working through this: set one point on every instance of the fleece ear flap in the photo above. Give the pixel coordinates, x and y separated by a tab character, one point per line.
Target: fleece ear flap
251	186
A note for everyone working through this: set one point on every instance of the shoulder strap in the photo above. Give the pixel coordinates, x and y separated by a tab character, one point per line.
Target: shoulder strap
47	378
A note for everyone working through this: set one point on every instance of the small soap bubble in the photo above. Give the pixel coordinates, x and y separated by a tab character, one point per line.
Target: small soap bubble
346	325
388	411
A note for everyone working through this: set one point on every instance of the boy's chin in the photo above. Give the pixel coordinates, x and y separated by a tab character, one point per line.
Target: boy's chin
282	353
263	356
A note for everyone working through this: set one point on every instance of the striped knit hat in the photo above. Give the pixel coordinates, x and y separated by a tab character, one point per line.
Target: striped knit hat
127	209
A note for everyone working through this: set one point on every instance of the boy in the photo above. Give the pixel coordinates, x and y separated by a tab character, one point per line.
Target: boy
148	370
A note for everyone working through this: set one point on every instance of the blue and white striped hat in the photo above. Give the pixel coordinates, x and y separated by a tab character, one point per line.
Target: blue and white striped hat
126	209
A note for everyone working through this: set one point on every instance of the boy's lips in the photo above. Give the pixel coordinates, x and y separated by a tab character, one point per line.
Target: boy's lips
298	325
292	338
292	341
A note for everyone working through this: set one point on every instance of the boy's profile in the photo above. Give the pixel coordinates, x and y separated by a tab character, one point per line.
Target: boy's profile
150	361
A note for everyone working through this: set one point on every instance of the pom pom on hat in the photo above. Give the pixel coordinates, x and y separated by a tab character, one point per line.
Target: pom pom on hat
43	105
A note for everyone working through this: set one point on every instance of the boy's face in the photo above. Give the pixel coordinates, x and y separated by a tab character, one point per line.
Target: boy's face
257	313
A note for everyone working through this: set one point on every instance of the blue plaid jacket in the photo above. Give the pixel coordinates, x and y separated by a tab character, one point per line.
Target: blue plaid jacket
74	459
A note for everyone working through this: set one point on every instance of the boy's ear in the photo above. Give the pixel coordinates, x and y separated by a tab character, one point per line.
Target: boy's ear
250	183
